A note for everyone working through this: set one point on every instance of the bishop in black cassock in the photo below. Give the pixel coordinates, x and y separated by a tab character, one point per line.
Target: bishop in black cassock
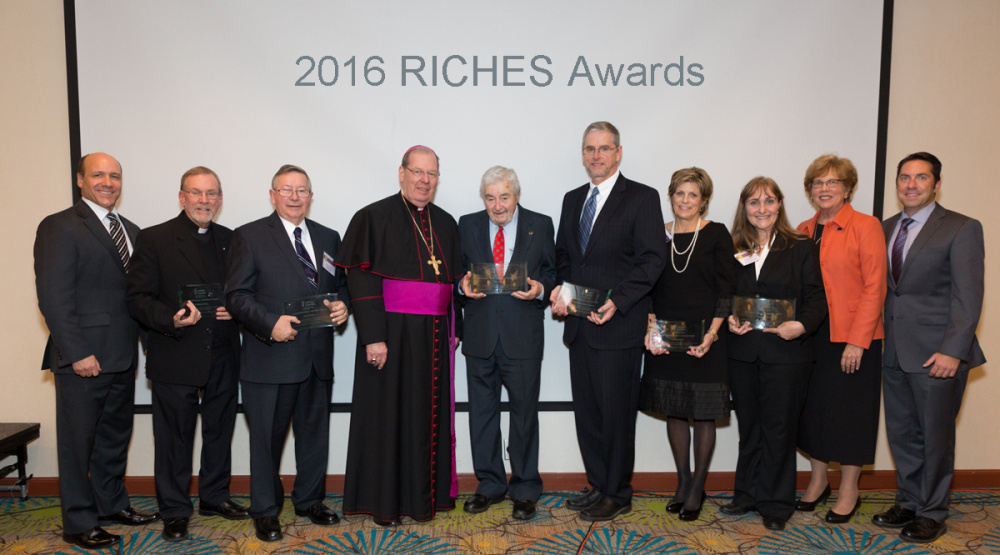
402	258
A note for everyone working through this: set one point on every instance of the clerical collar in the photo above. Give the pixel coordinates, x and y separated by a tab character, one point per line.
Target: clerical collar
194	227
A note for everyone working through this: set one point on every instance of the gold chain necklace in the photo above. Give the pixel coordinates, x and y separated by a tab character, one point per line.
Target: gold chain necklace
430	246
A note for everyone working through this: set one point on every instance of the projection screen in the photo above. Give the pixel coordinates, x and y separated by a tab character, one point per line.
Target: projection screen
342	89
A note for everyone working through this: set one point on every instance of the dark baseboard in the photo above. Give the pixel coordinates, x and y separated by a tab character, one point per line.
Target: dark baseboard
569	481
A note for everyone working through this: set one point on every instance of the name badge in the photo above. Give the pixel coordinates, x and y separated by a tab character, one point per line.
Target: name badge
328	264
747	257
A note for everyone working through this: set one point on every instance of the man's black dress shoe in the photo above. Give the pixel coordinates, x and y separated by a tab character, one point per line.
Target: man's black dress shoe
694	513
923	530
319	514
228	509
773	523
479	503
583	501
175	529
605	509
129	517
268	529
837	518
385	523
95	538
524	509
895	517
732	509
807	506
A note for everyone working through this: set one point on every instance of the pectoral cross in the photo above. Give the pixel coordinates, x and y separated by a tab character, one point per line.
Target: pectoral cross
435	262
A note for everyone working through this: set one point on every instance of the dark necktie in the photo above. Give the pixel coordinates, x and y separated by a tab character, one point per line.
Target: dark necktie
118	236
498	252
897	248
306	261
587	220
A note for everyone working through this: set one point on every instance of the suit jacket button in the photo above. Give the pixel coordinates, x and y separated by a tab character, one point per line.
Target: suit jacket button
896	293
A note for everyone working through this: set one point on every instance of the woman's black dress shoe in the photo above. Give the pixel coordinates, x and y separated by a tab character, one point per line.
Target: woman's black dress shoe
808	506
837	518
692	514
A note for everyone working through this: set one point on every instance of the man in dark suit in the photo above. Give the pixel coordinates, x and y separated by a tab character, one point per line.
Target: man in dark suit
610	238
932	308
81	259
504	339
286	374
190	355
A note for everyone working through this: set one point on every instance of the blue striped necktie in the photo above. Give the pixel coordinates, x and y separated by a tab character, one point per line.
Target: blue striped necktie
587	220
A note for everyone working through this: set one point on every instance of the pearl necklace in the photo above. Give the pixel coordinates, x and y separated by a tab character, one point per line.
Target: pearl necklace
689	251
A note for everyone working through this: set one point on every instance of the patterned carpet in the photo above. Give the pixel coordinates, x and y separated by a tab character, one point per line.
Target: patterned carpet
34	527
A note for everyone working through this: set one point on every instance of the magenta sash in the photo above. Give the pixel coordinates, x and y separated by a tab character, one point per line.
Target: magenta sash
418	297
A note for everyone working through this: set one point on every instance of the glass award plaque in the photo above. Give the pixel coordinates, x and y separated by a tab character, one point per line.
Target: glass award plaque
581	301
677	336
207	297
763	313
310	311
485	279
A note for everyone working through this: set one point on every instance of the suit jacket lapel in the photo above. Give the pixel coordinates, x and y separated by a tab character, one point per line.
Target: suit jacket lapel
481	237
927	230
284	245
94	224
525	233
607	211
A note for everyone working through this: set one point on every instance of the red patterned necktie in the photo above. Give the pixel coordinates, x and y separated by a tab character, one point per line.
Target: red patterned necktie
498	250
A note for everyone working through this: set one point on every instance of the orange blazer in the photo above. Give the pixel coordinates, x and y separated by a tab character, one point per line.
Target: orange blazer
852	256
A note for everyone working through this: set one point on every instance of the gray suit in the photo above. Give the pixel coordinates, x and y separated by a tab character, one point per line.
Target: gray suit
80	281
502	343
934	308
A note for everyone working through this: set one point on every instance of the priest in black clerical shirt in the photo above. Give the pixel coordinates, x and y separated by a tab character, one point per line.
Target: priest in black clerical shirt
191	354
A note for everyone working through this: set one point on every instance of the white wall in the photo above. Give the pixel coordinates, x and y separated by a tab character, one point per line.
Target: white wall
946	67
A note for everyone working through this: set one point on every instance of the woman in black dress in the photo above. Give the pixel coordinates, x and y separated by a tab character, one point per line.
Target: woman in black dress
695	288
769	368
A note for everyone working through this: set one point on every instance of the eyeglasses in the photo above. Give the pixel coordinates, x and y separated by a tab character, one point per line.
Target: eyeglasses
831	183
419	174
300	191
589	150
196	194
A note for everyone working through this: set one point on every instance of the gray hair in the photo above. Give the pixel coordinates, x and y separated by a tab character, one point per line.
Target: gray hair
603	126
500	174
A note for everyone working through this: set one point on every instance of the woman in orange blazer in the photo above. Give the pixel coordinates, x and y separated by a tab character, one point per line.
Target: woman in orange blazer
840	419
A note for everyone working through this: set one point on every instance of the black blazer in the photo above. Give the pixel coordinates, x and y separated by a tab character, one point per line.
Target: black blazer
80	281
515	323
264	271
167	257
791	272
626	253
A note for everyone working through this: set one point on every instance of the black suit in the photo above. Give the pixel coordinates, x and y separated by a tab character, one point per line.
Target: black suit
769	377
182	361
626	253
934	308
80	280
282	382
502	343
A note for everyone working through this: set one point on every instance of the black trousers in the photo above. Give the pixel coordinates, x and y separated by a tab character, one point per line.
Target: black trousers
768	399
269	409
605	386
175	415
93	430
522	377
